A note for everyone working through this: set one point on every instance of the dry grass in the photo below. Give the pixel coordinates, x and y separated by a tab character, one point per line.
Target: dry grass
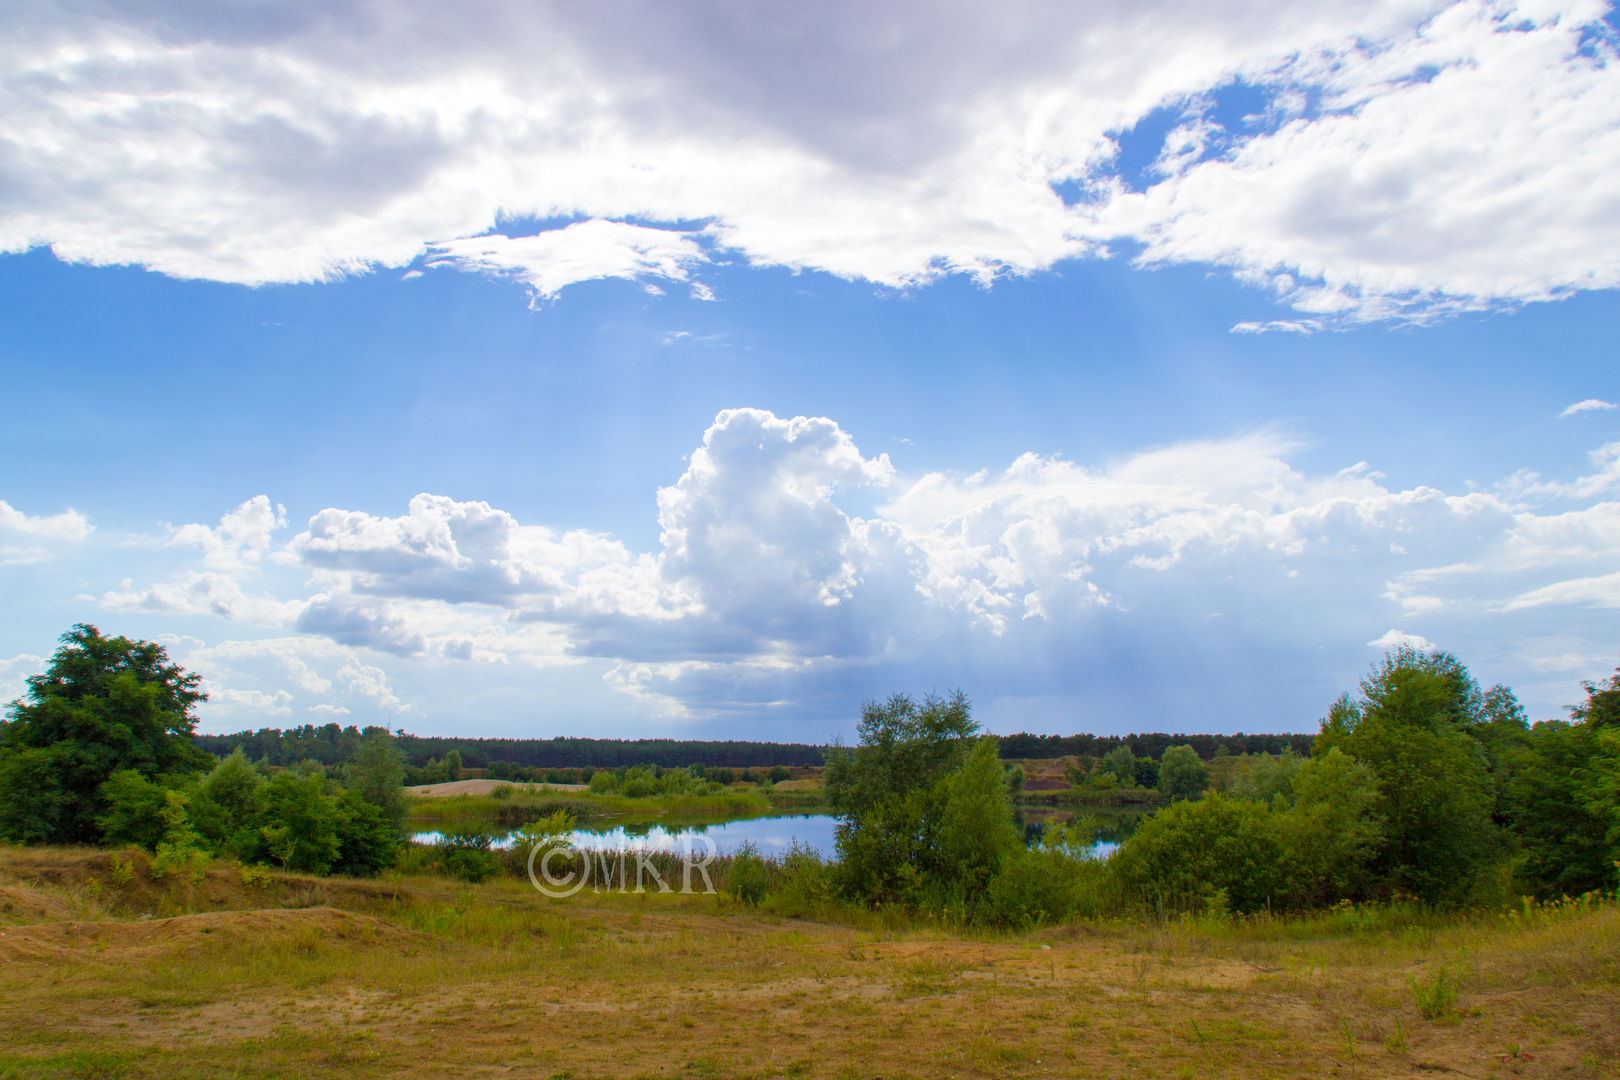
294	976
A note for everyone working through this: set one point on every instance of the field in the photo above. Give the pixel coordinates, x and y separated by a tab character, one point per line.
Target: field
105	972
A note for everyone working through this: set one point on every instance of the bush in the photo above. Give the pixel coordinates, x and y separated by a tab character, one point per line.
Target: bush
1191	851
467	857
746	881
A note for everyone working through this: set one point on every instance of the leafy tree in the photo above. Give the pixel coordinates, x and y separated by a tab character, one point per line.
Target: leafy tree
298	825
1561	798
904	747
1119	763
104	705
133	811
1182	773
377	775
233	786
1332	830
452	766
1412	726
1264	777
367	839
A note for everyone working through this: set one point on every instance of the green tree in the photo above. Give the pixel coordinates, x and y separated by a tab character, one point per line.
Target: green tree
1182	773
104	705
378	774
298	824
1560	800
904	747
133	811
1332	830
452	766
1119	763
1412	726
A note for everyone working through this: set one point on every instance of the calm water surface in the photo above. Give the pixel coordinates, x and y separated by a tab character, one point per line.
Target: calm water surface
770	835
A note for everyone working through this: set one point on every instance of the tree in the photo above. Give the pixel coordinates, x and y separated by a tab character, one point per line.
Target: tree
378	773
452	766
905	746
1561	798
1119	763
104	705
1412	726
1182	773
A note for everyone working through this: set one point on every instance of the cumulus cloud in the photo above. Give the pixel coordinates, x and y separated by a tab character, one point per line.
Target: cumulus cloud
764	587
1414	157
1395	639
1589	405
26	538
240	539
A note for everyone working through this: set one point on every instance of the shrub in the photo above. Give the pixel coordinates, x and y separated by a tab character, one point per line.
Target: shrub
467	857
747	882
1191	850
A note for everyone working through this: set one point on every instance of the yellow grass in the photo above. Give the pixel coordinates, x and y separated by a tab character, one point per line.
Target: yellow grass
281	975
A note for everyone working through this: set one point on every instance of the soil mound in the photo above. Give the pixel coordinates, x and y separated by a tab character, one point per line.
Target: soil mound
309	929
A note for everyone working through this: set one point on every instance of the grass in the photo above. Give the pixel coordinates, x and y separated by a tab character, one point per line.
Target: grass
421	976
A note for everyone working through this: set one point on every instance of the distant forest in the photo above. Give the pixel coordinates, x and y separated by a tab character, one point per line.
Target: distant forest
334	745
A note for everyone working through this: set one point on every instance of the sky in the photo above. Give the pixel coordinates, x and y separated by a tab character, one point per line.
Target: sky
703	370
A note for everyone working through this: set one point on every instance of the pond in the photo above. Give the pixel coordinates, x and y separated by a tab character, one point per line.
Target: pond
771	835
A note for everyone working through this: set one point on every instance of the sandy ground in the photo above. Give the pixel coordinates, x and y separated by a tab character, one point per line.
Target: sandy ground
484	787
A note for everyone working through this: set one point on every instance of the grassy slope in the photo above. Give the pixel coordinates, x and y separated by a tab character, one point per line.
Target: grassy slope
423	977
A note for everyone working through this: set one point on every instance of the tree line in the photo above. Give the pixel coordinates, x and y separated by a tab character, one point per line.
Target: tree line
331	744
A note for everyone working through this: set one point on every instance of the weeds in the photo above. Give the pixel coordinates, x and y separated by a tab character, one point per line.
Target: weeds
1435	996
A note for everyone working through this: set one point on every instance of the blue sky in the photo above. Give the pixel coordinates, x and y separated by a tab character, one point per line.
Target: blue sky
749	368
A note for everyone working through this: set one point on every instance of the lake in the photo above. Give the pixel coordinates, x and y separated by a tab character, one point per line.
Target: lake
771	835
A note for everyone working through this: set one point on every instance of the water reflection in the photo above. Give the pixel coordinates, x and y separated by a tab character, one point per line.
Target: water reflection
773	835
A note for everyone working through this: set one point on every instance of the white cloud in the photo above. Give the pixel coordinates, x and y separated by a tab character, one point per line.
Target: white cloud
240	539
1589	405
764	588
584	251
1602	591
1416	157
36	537
204	592
1394	639
1458	164
14	675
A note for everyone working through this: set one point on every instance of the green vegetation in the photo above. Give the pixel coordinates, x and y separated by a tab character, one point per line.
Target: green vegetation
1422	786
100	753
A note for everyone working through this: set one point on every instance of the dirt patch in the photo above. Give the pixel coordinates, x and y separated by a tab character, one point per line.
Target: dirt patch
123	942
484	787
